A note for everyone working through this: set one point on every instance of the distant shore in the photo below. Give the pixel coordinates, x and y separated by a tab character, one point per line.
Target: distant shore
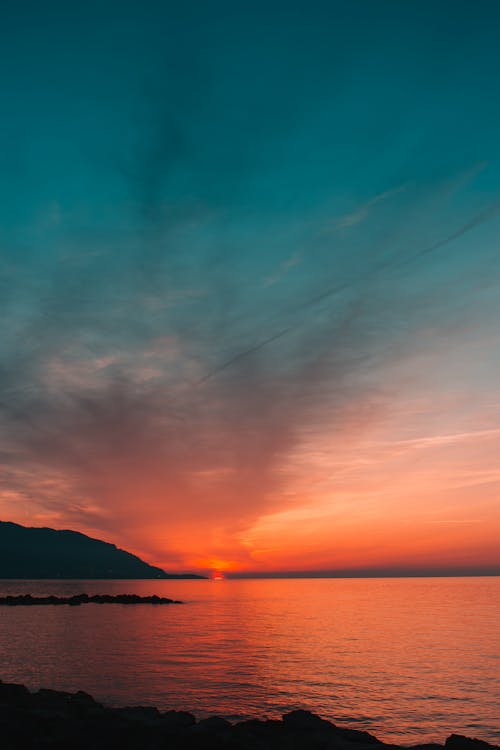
56	719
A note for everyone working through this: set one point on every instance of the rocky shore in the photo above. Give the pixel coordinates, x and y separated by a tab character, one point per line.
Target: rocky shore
26	600
55	720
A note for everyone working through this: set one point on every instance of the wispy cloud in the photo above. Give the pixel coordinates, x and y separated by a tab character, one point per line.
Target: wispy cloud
431	441
283	269
361	213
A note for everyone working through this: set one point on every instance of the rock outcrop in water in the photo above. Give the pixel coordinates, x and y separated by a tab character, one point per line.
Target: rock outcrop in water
31	553
26	600
55	720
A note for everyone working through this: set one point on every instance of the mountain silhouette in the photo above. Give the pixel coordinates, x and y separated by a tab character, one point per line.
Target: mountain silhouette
47	553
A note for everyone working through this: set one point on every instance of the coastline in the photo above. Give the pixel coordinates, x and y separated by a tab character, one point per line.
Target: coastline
53	719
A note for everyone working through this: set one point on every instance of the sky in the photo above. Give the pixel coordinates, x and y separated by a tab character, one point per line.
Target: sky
249	281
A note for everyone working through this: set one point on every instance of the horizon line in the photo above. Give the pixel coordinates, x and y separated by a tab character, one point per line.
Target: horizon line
433	573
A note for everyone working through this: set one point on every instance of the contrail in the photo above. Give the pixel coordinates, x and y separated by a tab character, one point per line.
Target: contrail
236	357
476	221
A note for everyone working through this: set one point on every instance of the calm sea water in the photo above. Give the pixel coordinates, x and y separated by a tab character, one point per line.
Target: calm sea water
410	660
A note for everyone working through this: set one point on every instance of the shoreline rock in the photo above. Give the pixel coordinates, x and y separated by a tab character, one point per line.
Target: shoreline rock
26	600
57	720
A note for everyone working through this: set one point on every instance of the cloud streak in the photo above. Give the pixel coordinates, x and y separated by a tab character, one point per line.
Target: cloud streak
361	213
394	263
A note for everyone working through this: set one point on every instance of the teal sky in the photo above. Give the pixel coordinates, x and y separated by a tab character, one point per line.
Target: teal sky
236	237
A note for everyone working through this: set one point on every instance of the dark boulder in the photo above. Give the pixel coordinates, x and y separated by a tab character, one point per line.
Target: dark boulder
357	736
13	694
143	714
214	724
459	742
307	721
52	719
177	720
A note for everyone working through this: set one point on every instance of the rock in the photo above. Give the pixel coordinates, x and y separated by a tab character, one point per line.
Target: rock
26	600
52	698
83	700
214	724
17	695
357	736
253	732
144	714
459	742
177	719
305	720
58	720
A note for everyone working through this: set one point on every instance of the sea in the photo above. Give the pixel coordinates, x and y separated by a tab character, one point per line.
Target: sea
410	660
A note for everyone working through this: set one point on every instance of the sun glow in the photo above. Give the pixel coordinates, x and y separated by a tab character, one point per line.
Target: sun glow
217	565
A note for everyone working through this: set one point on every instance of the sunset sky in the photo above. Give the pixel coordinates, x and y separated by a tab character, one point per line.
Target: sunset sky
250	280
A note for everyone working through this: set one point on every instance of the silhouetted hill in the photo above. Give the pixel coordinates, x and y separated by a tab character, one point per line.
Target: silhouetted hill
47	553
